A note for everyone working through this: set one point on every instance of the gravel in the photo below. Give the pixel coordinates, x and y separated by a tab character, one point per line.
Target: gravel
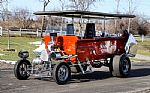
4	65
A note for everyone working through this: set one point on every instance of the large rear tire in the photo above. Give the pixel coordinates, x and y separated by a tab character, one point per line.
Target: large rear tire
120	66
21	69
61	73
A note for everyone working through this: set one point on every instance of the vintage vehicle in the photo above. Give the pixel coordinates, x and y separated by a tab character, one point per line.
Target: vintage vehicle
68	54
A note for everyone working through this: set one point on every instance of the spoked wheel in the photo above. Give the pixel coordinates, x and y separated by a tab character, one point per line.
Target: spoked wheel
61	73
121	66
21	69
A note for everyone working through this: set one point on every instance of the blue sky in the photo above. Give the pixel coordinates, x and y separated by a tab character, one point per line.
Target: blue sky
109	6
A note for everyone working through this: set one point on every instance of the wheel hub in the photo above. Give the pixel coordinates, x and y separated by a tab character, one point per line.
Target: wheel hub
63	73
125	66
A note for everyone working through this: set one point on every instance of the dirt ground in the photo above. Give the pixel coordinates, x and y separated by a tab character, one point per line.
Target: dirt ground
6	65
100	81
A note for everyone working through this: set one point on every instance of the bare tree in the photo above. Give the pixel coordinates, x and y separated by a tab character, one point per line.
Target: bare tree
131	6
45	3
130	10
63	4
117	10
143	28
3	3
82	4
4	9
118	4
21	18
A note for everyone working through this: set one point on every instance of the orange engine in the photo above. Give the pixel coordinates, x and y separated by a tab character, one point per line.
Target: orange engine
67	44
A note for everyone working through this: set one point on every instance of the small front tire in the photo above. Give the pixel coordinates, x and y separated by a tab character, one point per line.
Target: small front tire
61	73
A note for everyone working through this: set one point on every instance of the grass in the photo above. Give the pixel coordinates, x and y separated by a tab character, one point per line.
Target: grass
133	59
17	43
143	47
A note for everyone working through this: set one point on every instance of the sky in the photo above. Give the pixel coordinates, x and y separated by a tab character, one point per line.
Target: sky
141	7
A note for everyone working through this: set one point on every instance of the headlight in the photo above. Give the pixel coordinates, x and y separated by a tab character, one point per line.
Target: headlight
23	54
37	61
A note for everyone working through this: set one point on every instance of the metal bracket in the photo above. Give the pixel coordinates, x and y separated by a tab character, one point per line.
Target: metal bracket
80	66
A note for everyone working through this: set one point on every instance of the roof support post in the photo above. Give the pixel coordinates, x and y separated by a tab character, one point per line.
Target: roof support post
104	28
81	27
129	25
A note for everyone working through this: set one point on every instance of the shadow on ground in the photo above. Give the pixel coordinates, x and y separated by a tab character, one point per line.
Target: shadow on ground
140	72
100	75
96	75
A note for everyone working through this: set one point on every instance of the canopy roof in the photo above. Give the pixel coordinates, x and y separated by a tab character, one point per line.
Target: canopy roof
83	14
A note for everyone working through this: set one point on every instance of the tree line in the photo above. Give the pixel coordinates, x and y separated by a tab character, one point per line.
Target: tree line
23	18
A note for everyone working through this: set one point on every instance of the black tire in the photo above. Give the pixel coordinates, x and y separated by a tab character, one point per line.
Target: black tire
120	66
61	73
20	69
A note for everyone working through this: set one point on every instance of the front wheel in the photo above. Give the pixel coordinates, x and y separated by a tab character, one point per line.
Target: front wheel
21	69
120	66
61	73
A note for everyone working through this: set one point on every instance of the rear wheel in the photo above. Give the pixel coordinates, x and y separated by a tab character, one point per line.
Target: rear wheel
61	73
120	66
21	69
